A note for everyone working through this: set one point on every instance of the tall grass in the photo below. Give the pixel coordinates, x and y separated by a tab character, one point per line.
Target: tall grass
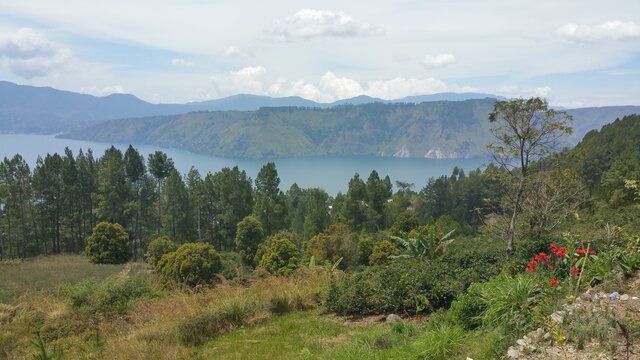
47	272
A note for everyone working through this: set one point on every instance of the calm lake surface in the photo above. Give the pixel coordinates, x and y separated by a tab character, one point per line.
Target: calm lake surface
329	173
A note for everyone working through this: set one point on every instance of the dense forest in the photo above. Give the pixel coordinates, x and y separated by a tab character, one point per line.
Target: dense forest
53	208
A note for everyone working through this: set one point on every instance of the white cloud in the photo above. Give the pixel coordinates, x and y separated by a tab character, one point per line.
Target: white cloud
616	30
400	87
30	54
245	80
235	51
516	91
438	61
331	88
309	23
103	91
181	62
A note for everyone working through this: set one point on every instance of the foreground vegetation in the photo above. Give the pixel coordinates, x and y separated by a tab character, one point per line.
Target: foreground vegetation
232	270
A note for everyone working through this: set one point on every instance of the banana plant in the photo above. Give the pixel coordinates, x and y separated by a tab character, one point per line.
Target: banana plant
425	244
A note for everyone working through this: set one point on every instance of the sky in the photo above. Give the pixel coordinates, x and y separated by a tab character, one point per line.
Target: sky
575	53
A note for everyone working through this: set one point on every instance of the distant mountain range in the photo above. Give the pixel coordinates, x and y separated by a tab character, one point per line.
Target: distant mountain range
46	110
446	125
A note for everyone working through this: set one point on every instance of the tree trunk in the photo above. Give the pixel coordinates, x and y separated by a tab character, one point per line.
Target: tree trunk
511	233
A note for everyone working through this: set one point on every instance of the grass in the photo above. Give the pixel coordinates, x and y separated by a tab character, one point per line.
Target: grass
47	272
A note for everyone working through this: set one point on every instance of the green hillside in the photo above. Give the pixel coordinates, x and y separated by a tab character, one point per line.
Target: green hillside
439	129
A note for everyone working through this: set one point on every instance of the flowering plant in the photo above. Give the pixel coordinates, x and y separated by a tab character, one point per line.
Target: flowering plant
561	261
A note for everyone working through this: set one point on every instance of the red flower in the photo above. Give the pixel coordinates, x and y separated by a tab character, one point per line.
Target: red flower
575	259
575	271
554	282
592	252
580	252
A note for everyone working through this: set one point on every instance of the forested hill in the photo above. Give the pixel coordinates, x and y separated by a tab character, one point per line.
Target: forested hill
608	157
441	129
438	129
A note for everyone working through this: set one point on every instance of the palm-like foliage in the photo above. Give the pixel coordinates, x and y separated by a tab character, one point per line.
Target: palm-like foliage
425	244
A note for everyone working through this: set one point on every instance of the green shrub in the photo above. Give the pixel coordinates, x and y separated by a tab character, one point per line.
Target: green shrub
335	242
192	264
467	310
108	244
382	251
511	301
281	256
292	236
364	248
158	248
232	265
249	235
401	286
200	328
404	223
109	297
440	343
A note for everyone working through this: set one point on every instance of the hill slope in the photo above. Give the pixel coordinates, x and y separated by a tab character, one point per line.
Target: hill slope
440	129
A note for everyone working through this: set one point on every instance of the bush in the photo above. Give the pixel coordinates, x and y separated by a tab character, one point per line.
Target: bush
365	248
249	235
467	310
511	301
192	264
108	244
335	242
232	265
158	248
382	251
401	286
200	328
280	255
404	223
292	236
110	297
439	343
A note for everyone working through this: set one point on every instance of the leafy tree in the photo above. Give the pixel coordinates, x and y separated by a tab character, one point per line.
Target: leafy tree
280	255
108	244
178	217
15	204
377	193
283	234
248	237
382	252
160	166
335	242
195	186
192	264
524	130
353	210
113	192
158	248
135	172
404	223
227	199
48	187
270	206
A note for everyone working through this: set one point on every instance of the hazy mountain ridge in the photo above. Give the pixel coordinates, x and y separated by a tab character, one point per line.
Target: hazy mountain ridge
26	108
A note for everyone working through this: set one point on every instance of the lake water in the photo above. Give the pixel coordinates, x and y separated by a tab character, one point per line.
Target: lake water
329	173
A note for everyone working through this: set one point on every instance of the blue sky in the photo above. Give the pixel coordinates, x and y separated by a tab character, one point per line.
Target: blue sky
575	53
